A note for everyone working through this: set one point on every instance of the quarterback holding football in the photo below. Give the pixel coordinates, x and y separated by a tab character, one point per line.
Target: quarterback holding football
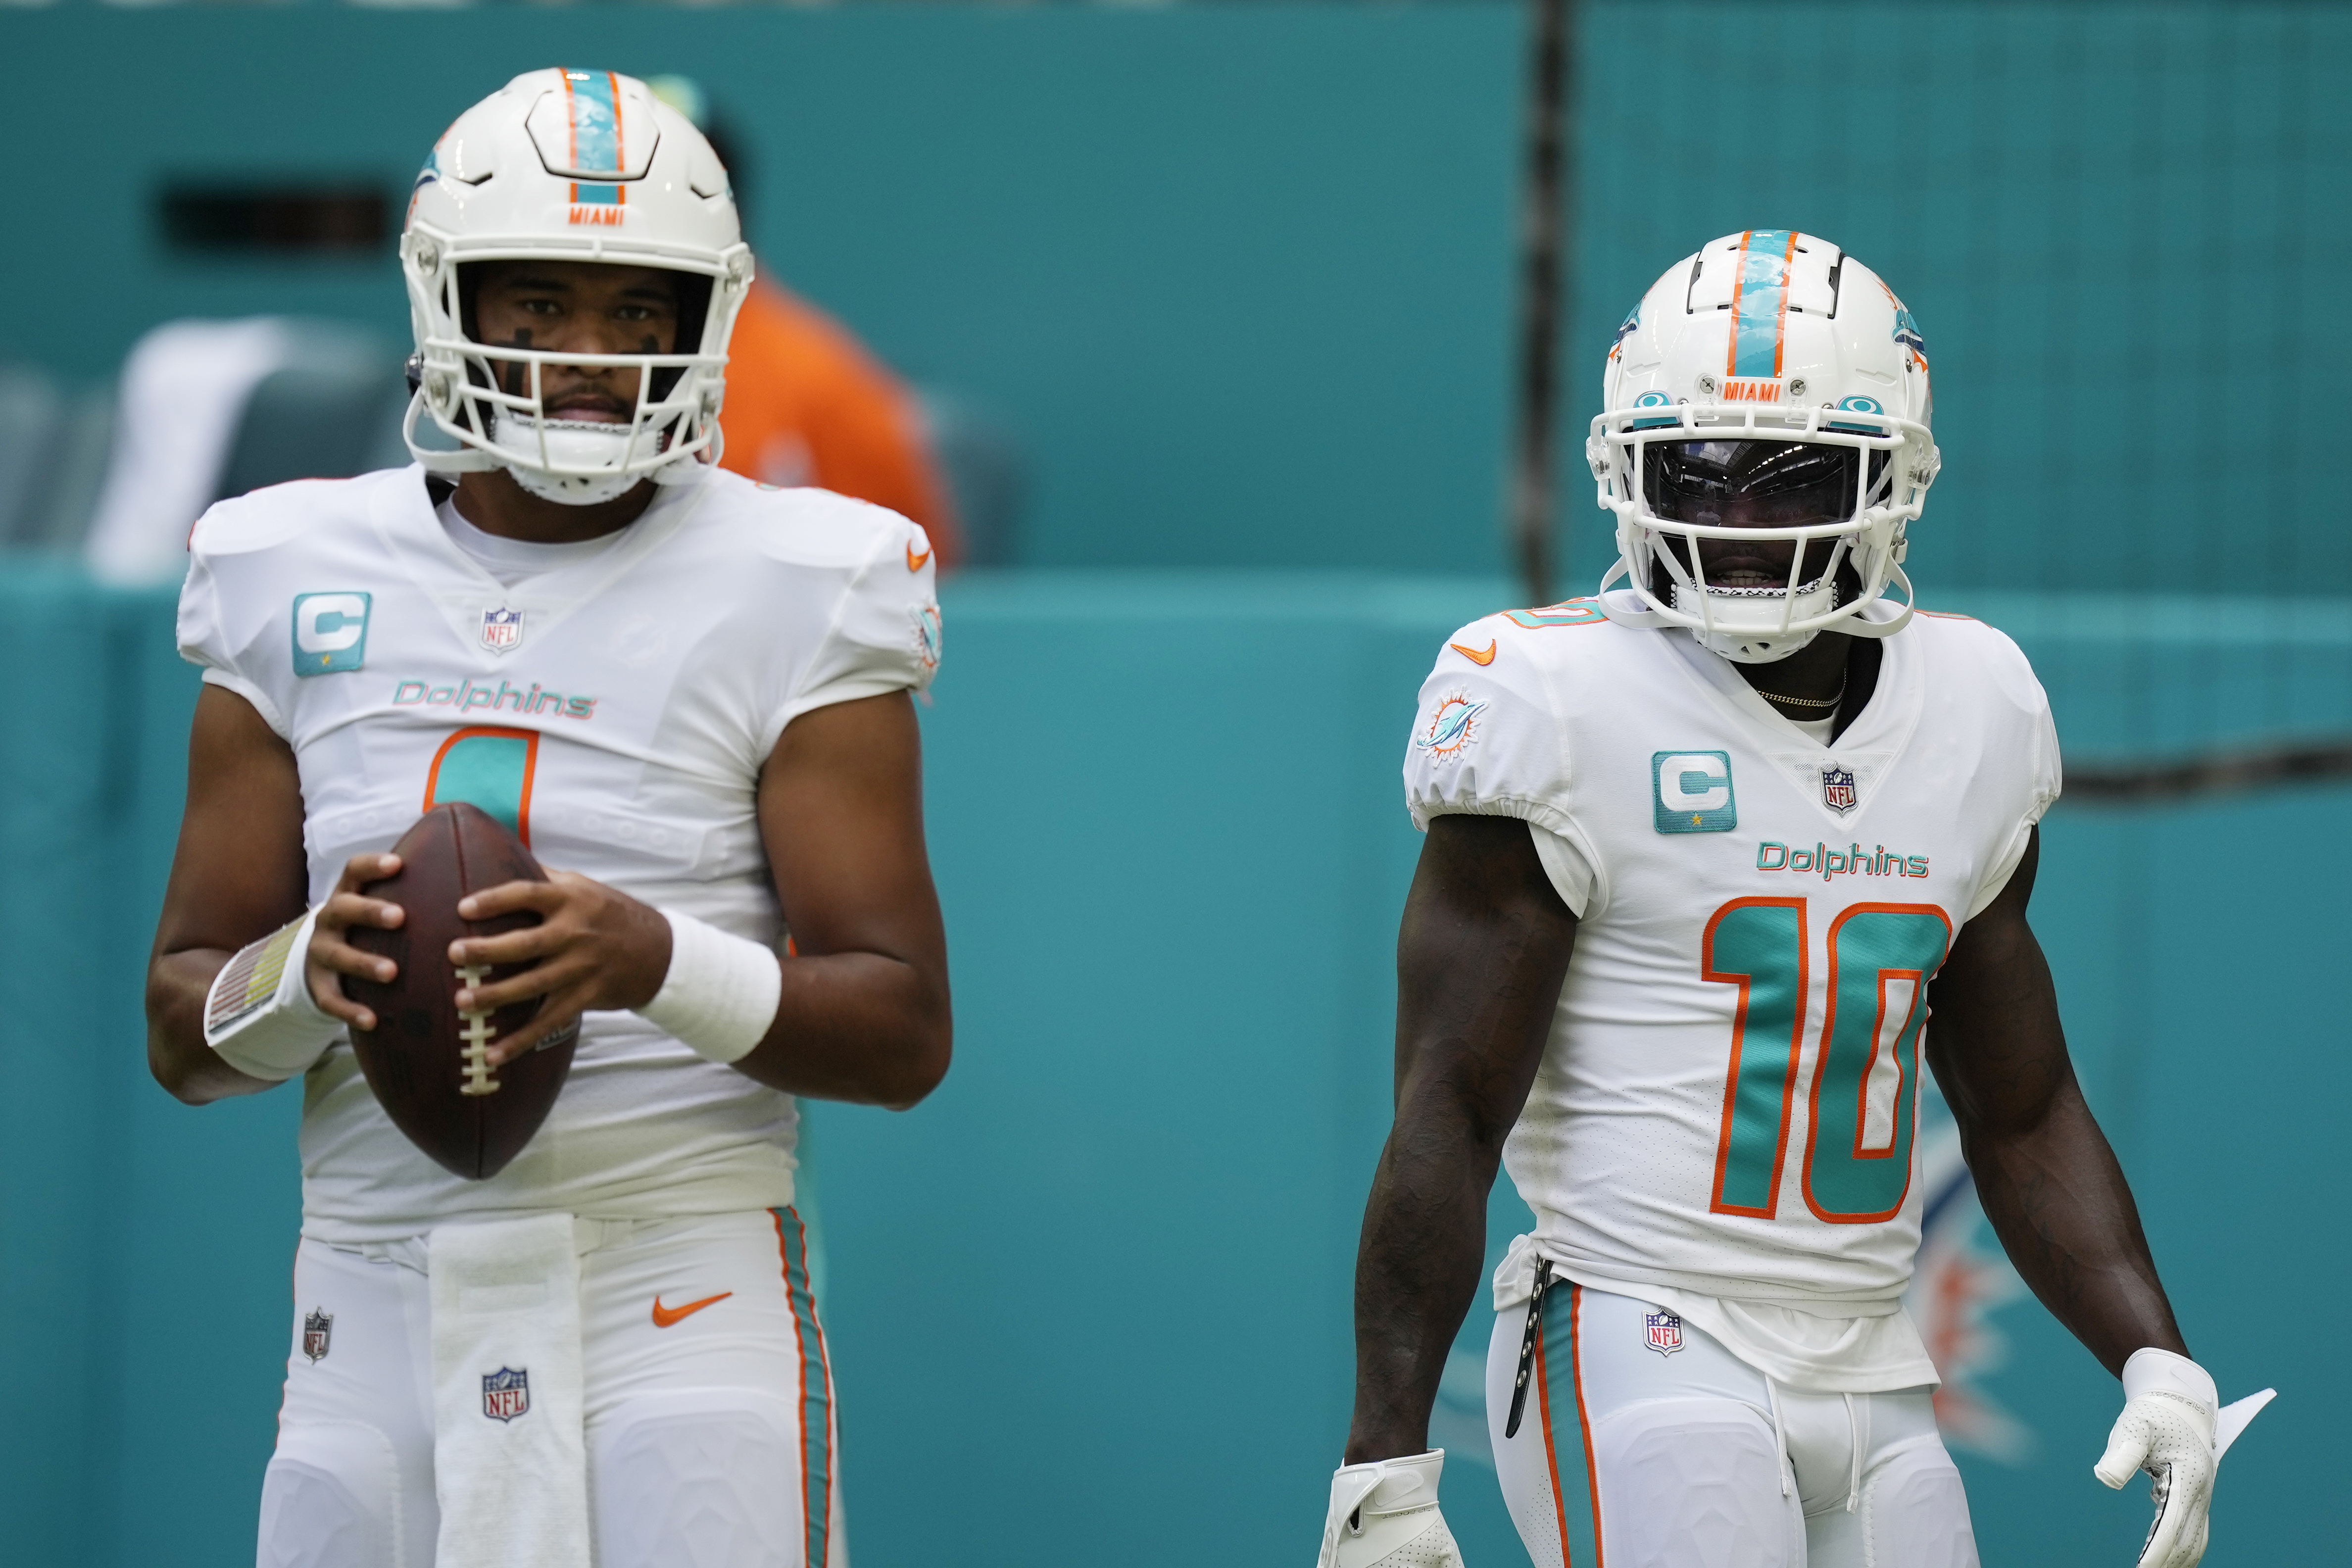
564	635
1703	852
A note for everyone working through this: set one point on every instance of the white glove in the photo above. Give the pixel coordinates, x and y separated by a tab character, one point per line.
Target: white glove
1385	1512
2172	1427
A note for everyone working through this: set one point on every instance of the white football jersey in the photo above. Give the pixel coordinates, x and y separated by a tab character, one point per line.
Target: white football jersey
616	710
1729	1101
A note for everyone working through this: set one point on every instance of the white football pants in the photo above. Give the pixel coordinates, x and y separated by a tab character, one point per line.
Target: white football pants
711	1432
1628	1456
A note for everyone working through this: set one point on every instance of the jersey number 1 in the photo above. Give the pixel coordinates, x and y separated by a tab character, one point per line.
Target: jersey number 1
1864	1093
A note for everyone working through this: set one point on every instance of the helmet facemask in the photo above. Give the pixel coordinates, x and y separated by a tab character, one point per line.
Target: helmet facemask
1759	531
493	397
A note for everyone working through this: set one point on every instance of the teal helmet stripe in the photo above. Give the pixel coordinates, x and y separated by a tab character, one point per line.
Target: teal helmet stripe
594	103
1760	299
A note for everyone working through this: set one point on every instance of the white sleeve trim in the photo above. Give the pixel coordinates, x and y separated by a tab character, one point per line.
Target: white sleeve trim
1527	807
1571	874
1997	880
849	688
230	680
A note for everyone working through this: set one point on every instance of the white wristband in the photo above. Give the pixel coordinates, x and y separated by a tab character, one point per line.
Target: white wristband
722	991
2152	1370
259	1014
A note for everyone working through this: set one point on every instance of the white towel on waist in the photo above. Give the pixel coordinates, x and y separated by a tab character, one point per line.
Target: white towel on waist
510	1462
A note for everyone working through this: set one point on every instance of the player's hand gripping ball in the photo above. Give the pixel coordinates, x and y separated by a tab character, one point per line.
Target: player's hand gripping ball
429	1063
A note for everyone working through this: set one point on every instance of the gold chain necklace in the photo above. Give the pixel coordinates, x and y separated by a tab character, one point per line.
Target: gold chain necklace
1803	702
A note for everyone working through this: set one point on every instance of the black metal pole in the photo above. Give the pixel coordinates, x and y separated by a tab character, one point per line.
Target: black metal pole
1543	206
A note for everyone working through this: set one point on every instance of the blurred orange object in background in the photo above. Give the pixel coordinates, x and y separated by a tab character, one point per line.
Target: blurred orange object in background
806	405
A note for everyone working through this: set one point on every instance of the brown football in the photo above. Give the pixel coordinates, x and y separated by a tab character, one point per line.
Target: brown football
424	1058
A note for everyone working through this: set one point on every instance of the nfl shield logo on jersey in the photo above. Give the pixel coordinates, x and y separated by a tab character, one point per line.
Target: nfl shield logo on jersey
502	629
318	1331
1665	1331
1837	788
506	1393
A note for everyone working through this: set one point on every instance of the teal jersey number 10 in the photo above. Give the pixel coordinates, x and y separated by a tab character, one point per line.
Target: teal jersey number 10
1861	1103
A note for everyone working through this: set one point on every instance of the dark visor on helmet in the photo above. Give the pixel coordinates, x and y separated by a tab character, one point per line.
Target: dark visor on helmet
1750	484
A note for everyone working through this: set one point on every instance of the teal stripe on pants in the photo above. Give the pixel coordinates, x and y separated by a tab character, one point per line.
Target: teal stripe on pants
1566	1442
816	1391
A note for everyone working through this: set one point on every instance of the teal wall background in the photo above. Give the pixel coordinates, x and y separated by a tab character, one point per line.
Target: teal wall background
1102	1277
2113	221
1240	276
1238	279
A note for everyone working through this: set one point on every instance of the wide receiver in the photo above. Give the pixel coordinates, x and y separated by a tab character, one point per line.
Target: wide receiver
1701	853
690	695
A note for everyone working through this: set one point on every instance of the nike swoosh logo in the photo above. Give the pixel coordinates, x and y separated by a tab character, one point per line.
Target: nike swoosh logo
1475	655
665	1316
915	562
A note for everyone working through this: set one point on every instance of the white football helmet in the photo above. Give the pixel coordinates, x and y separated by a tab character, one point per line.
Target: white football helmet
571	165
1774	370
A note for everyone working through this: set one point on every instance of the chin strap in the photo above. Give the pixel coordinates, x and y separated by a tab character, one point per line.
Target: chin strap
1625	606
694	471
440	459
1860	627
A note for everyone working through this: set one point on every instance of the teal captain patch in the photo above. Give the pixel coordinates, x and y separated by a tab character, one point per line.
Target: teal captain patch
1692	792
329	632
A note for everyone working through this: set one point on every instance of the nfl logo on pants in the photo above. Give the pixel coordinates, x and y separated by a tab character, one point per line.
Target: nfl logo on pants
1665	1331
506	1393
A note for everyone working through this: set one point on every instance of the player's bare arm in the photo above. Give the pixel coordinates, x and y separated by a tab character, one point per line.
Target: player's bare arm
237	875
1482	951
863	1013
2049	1181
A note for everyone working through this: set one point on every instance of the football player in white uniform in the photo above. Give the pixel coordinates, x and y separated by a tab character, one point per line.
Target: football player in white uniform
1702	852
690	695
